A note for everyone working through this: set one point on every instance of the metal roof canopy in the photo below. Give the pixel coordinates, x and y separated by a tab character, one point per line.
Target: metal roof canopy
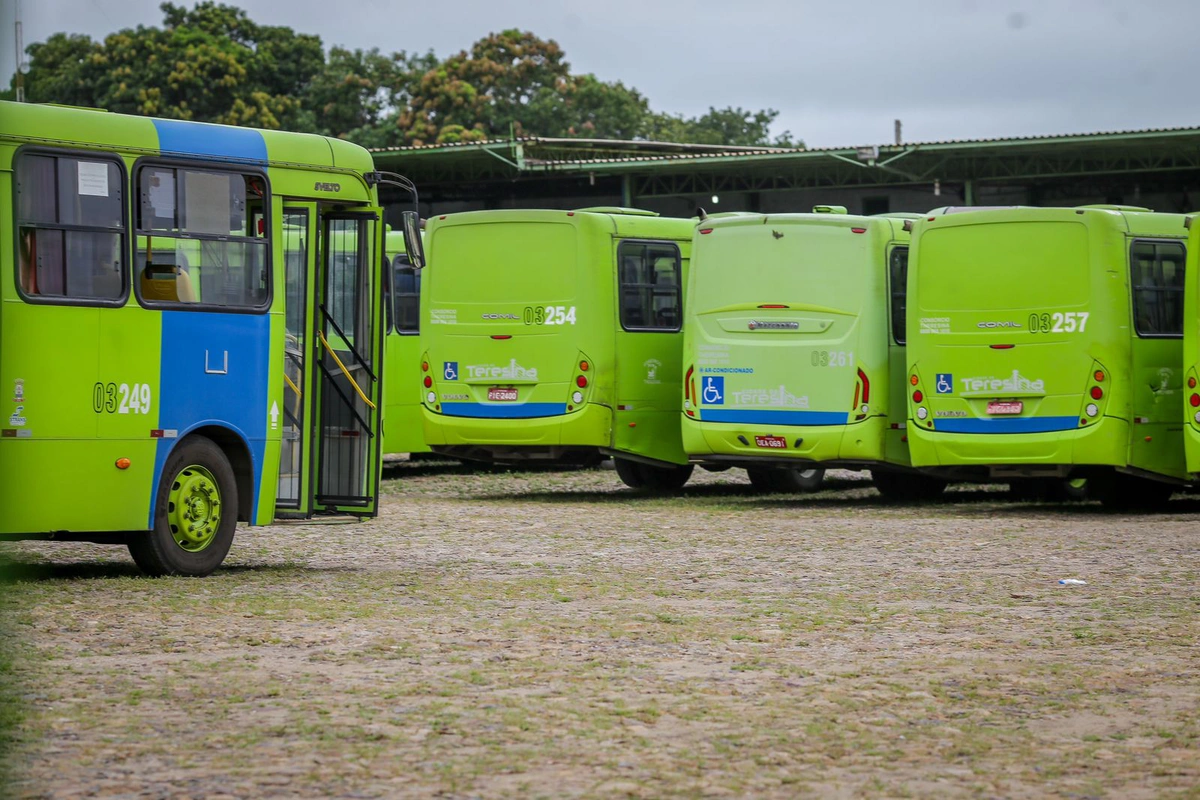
662	169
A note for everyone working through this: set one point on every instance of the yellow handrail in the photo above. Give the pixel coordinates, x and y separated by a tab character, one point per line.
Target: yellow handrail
345	371
295	388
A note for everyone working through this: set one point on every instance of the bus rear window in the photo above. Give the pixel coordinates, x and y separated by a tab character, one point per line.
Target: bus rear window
1003	266
70	228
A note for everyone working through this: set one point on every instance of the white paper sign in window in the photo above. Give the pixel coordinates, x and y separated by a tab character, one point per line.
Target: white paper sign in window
93	178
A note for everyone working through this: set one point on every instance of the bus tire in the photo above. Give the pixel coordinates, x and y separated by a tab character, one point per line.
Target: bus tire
907	487
665	479
195	513
787	479
629	472
1120	492
645	477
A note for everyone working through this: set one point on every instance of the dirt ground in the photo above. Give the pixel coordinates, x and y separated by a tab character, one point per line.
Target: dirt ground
551	634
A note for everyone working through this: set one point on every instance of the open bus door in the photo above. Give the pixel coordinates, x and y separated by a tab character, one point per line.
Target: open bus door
333	388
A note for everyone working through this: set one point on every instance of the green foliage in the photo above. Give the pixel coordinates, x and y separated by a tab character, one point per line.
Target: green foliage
213	63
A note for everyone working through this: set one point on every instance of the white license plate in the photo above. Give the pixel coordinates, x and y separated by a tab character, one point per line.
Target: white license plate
499	395
1005	407
773	442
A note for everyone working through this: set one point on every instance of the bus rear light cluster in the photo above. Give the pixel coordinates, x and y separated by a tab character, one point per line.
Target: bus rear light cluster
689	392
1094	399
862	388
918	397
578	387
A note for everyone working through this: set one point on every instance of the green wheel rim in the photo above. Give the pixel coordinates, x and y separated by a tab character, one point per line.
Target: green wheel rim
194	508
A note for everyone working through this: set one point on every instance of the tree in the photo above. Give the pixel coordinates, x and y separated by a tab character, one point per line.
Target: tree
729	126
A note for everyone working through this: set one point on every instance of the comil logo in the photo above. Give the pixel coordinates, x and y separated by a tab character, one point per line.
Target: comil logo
991	325
756	325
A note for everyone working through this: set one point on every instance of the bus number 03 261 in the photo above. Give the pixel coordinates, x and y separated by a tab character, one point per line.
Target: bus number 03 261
1059	322
549	315
122	398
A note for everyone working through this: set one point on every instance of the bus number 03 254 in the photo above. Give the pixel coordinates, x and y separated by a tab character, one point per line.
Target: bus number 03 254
549	315
122	398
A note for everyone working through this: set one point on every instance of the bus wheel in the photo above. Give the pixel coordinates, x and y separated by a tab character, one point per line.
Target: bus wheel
1120	492
195	513
665	479
906	486
629	472
786	479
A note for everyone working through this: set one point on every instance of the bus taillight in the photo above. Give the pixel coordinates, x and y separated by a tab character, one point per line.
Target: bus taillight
428	382
581	381
866	386
1097	393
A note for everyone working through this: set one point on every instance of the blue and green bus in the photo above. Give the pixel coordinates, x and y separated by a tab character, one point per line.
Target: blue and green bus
191	331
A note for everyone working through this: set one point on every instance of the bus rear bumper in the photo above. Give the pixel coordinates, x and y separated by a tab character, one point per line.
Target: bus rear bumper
1106	443
853	444
589	427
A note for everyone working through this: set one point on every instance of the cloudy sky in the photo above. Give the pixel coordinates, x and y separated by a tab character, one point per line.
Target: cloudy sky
839	73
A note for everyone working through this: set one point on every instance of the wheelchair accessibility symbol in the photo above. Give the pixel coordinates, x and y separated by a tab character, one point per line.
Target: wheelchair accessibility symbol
450	370
713	392
945	383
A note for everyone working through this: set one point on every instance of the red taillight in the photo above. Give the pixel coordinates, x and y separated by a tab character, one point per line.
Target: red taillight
913	380
583	365
1002	346
772	305
706	230
858	230
1097	393
688	389
502	336
424	366
428	382
917	396
1194	400
866	384
581	381
1100	376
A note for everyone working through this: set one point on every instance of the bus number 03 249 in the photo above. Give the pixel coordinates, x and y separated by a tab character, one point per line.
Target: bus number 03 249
122	398
549	315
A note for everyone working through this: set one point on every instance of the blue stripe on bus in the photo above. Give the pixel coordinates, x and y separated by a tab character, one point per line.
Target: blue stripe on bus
200	385
775	417
214	141
1012	425
497	411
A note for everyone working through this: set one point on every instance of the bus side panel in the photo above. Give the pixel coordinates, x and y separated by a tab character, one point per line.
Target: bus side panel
216	371
649	377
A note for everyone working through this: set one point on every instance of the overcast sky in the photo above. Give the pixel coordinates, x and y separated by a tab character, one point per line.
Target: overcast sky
839	73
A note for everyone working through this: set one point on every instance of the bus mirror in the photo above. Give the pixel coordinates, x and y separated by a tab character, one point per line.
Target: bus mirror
412	239
1187	222
908	225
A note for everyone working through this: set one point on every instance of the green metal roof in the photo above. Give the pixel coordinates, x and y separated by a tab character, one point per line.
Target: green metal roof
663	168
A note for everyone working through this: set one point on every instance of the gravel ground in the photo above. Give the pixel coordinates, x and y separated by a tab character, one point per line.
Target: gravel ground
550	634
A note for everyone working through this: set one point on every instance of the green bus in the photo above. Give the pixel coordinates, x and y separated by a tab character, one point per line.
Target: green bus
190	331
1044	343
555	336
794	349
402	431
1191	348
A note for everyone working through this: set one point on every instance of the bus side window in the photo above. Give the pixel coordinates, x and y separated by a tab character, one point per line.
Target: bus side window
406	300
649	284
1157	283
898	267
71	227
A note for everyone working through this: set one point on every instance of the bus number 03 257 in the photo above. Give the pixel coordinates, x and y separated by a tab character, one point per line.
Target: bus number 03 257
1059	322
549	315
122	398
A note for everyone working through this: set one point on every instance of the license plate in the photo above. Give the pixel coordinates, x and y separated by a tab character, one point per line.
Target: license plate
1005	407
499	395
774	442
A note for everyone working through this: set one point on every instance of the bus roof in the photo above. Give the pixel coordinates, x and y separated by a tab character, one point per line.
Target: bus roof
92	128
618	222
1132	220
